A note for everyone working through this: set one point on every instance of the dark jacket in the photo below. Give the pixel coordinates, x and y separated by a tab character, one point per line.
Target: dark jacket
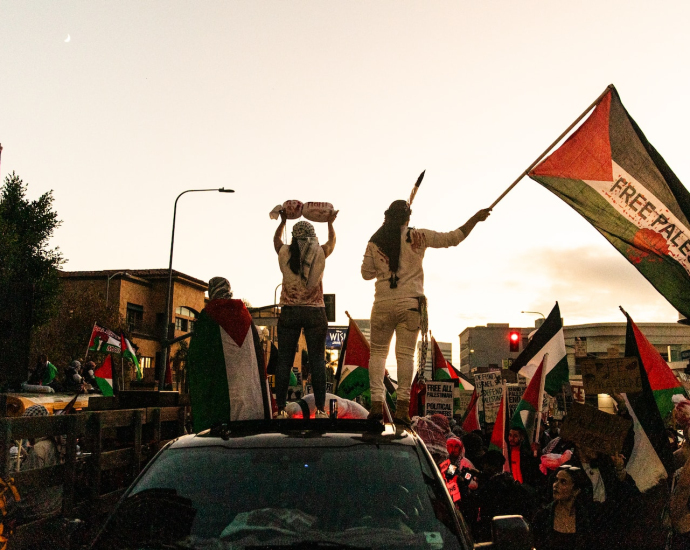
545	537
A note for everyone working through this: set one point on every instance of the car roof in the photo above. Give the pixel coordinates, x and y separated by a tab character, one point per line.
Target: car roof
298	433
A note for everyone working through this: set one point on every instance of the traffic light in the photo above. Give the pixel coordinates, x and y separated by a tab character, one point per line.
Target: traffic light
514	338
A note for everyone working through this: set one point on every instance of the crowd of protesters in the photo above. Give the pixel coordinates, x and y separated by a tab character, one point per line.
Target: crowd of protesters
571	496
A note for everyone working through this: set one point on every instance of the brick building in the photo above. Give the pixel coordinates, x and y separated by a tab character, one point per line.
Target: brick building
140	295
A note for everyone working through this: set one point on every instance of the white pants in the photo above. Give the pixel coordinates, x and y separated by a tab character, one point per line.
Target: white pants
401	317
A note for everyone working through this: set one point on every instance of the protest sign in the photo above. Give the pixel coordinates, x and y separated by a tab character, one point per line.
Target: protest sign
619	375
462	400
589	427
489	387
439	398
515	392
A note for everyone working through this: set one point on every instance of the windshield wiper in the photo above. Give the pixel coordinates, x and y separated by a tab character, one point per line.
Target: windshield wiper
315	544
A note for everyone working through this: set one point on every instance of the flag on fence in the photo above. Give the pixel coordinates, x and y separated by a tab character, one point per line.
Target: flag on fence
104	377
525	415
547	339
104	340
471	422
499	436
609	173
128	353
225	361
663	382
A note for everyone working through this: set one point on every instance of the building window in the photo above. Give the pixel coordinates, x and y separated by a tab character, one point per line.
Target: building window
186	311
181	324
135	316
146	363
185	324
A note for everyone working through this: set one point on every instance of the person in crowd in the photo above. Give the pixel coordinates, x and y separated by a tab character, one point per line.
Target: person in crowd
88	372
394	257
498	494
565	522
524	466
552	431
680	509
474	446
43	373
225	362
302	264
73	376
43	452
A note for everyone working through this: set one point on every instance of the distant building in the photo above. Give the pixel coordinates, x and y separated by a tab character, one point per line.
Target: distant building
488	346
140	295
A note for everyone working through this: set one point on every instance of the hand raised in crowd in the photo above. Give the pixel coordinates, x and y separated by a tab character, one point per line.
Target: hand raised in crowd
333	216
283	216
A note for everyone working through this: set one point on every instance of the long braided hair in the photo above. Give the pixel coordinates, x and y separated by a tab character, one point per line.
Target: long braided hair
387	238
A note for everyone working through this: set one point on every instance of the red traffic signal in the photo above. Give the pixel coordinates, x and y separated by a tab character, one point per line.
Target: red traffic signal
514	338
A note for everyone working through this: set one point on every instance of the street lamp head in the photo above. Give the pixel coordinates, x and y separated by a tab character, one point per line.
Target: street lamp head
224	190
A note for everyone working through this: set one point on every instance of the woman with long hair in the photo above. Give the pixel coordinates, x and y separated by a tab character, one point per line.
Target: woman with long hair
565	522
302	264
394	258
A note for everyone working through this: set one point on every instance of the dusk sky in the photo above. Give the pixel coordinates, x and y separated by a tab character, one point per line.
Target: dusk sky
343	101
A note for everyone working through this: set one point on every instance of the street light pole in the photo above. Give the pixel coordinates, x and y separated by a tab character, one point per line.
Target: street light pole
168	296
107	286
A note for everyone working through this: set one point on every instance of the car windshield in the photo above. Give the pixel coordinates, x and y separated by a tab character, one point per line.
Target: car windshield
364	496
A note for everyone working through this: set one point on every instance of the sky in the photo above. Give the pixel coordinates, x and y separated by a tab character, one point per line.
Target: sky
343	101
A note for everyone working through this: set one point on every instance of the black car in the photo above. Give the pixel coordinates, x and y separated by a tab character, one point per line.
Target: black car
290	484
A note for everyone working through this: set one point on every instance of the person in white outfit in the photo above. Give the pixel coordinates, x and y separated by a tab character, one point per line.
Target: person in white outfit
394	257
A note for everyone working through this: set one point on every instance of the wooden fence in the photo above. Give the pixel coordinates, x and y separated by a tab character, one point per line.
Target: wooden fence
115	445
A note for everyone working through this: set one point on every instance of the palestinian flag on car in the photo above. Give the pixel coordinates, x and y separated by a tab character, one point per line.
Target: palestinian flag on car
525	415
227	373
609	173
128	353
104	377
547	339
104	340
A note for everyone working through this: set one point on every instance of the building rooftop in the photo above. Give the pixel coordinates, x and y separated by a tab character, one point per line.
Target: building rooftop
146	274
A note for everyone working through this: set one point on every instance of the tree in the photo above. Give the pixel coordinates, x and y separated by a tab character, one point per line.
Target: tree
26	228
28	273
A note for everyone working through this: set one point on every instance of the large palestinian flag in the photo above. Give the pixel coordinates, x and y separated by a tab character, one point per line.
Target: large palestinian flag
611	174
227	373
548	339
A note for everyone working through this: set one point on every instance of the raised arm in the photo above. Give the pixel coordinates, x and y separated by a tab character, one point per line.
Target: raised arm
277	238
480	216
330	245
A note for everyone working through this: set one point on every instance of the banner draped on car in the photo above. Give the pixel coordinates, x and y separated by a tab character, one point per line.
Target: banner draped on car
609	173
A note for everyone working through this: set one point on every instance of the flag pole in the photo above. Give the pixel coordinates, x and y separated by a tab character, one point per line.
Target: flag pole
541	398
89	344
529	168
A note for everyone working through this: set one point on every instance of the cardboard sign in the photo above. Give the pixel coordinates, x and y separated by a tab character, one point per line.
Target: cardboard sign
620	375
439	398
462	401
489	388
515	393
589	427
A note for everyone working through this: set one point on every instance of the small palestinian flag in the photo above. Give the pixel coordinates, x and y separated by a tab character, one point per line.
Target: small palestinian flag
443	370
547	339
227	373
525	415
352	378
499	439
609	173
128	353
104	340
663	382
104	377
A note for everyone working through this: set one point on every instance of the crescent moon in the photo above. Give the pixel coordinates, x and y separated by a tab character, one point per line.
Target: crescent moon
67	39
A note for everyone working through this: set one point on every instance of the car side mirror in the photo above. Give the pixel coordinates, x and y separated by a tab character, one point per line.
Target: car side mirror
508	533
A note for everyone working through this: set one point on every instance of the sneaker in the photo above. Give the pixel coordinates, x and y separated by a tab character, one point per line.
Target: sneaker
282	415
321	414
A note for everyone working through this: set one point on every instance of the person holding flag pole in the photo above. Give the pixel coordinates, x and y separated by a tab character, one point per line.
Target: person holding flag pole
394	257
